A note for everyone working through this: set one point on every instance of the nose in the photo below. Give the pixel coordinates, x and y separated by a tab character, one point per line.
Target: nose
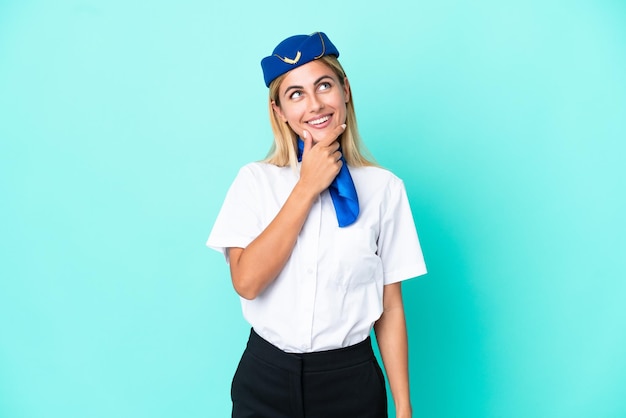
315	104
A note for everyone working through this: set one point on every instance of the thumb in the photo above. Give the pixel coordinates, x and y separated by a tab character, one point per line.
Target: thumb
308	141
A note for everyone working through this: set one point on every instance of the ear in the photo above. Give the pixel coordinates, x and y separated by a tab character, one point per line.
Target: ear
278	111
346	89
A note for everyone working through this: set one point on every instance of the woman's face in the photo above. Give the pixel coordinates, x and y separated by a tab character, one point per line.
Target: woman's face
312	98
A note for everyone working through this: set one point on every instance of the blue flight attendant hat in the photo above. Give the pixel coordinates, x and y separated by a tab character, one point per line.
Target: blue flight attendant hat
296	51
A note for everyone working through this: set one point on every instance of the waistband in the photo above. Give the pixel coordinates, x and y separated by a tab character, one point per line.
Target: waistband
310	362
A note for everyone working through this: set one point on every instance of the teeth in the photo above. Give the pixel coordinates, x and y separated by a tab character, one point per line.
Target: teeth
320	120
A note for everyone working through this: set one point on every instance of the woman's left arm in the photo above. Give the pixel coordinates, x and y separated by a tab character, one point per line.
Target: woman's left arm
392	341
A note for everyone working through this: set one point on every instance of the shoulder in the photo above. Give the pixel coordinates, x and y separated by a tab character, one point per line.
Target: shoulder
255	167
261	176
260	169
375	177
379	188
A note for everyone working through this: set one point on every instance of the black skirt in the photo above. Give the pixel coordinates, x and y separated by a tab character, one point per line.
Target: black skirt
342	383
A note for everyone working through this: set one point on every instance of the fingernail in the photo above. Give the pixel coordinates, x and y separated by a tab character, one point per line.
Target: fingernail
304	134
344	126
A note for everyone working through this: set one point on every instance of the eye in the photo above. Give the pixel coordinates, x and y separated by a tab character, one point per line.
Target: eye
296	94
324	86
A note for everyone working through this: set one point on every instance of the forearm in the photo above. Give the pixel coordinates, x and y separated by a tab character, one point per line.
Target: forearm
393	344
257	265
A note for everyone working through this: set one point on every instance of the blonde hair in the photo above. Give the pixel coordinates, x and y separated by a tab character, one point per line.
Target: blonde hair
283	150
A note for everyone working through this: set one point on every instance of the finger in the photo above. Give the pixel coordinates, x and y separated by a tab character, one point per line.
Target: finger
332	148
333	135
308	141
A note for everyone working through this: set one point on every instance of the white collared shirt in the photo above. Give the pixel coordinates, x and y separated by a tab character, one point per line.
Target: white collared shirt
329	294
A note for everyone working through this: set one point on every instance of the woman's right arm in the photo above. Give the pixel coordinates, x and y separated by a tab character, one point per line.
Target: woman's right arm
256	266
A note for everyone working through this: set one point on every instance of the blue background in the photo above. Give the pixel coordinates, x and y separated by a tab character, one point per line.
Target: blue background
122	124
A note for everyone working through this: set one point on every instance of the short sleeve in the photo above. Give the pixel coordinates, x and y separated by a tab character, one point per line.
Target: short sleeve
398	243
237	222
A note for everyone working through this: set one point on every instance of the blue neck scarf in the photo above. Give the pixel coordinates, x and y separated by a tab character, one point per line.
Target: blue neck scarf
342	192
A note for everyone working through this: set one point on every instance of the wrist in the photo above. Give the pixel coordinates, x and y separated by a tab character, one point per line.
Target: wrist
304	193
404	410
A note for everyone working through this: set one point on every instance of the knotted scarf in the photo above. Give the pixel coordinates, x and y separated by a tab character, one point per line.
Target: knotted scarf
342	192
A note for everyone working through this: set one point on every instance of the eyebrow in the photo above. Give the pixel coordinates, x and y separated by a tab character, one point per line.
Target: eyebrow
301	87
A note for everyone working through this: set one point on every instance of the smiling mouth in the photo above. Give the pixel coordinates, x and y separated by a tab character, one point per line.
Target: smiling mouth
319	121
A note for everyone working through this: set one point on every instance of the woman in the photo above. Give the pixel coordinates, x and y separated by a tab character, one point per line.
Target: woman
318	239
